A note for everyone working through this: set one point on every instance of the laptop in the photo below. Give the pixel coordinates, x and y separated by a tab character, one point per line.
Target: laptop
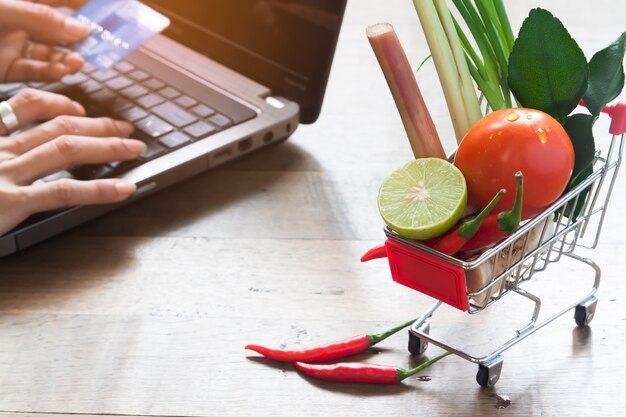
226	78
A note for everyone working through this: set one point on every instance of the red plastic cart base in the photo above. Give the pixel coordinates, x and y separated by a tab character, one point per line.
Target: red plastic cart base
423	272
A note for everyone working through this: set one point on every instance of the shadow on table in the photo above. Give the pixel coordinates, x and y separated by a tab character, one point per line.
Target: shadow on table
63	267
188	207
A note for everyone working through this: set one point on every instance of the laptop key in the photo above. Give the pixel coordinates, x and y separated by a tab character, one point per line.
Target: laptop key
124	66
103	95
133	114
154	127
139	75
88	68
202	110
134	91
74	79
186	101
103	76
119	83
150	100
200	130
153	150
154	84
175	139
220	120
169	93
119	104
90	86
174	114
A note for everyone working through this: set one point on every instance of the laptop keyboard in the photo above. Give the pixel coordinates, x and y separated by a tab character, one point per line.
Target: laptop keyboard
168	109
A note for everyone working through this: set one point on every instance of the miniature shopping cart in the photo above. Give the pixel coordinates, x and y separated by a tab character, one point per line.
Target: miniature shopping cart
473	285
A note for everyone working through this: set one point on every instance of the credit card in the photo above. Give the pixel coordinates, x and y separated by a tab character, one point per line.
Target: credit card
118	27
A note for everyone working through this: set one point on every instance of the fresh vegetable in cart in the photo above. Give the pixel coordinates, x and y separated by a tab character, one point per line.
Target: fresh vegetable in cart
552	147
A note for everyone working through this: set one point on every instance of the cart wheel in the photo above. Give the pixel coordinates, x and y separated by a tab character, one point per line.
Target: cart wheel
418	346
489	374
584	312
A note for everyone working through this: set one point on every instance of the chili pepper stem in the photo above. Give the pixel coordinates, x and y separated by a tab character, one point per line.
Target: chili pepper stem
469	228
376	338
405	373
508	221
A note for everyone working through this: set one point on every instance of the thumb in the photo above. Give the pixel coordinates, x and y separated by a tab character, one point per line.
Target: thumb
42	22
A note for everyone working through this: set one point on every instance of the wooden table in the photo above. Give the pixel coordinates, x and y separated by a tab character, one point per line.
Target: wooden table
146	311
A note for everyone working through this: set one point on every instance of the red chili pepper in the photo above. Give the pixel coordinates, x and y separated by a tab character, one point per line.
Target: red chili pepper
369	373
453	241
329	351
497	227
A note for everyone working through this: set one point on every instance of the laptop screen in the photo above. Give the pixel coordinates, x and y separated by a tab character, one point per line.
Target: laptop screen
286	45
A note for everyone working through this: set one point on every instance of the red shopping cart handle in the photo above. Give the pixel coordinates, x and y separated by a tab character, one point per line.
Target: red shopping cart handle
617	113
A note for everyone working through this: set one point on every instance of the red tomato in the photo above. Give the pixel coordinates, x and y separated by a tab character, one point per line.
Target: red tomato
511	140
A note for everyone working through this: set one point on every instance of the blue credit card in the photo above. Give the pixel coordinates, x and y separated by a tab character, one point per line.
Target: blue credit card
118	27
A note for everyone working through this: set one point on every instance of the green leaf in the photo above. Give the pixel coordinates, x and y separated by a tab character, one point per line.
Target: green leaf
579	128
425	60
606	75
547	69
571	211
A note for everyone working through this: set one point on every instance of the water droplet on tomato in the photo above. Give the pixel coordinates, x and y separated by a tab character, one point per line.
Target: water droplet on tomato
529	116
511	117
541	135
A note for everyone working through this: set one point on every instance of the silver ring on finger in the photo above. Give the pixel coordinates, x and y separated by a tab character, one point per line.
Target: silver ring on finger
8	117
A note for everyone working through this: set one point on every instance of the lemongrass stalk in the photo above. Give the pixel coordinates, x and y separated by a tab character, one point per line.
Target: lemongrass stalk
444	63
468	91
415	116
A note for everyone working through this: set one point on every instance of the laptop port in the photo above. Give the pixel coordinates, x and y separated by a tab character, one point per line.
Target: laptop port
245	145
223	153
267	138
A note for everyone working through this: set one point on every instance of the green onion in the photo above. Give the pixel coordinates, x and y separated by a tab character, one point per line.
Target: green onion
489	25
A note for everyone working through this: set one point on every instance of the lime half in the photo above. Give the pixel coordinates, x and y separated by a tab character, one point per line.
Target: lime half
423	199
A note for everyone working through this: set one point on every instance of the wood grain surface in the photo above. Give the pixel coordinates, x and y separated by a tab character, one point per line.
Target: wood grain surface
145	312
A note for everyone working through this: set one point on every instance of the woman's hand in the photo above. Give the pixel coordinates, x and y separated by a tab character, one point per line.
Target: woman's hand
29	32
69	139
